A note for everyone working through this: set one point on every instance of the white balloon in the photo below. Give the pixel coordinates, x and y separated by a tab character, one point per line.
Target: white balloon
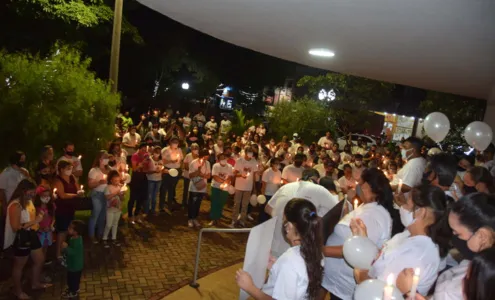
231	190
261	199
437	126
372	289
359	252
478	135
253	200
173	172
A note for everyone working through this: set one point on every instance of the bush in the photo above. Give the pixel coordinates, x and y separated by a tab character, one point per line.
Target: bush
51	100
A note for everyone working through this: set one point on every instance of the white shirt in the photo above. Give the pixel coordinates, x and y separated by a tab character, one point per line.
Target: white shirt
412	172
316	194
273	180
223	172
132	140
186	121
172	154
288	278
324	142
211	125
338	276
244	167
292	173
153	166
217	149
356	172
347	183
97	175
205	169
9	179
73	160
449	283
321	170
401	253
187	160
225	126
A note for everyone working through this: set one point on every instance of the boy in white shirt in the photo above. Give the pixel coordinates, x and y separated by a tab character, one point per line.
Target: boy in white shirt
199	172
172	157
222	176
244	171
293	172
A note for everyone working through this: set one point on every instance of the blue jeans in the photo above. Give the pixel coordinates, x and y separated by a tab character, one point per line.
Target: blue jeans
98	214
153	188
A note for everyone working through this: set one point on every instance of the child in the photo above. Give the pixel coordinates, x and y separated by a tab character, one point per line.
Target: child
43	203
115	196
154	175
75	259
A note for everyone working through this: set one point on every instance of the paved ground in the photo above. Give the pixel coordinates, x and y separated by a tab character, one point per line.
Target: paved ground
154	260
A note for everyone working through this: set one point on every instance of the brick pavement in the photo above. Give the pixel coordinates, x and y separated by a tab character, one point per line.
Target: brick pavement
155	259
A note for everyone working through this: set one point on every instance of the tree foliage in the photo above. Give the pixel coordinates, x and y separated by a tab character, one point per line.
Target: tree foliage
304	116
49	100
460	110
355	97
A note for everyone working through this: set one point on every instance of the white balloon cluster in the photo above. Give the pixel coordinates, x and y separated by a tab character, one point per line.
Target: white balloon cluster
477	134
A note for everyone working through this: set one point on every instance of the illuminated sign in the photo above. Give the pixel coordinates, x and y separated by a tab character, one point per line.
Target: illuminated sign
328	96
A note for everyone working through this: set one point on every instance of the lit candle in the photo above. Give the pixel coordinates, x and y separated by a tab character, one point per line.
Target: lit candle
55	193
356	203
210	151
281	182
177	156
82	187
127	168
79	157
248	173
386	174
399	188
104	176
415	282
389	288
297	179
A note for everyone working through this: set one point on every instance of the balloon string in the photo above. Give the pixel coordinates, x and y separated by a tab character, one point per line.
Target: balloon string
440	146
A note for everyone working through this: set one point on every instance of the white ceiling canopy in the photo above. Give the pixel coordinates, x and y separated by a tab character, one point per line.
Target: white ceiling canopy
443	45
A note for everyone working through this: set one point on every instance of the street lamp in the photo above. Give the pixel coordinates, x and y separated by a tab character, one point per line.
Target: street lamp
185	86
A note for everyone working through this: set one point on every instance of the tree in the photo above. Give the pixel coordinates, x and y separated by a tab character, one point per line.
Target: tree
460	110
305	116
49	100
354	97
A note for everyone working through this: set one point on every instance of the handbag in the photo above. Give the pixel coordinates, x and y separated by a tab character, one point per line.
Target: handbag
199	183
22	239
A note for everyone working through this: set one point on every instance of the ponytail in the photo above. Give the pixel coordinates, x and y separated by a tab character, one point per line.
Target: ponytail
302	214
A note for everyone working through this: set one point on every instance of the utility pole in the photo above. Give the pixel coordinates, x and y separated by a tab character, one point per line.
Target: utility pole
114	58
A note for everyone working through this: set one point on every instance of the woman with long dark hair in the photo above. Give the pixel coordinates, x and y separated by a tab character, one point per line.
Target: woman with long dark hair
21	228
422	245
478	179
297	274
381	219
479	283
97	182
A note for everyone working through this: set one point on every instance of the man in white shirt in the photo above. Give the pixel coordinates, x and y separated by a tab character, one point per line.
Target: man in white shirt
212	124
225	126
11	176
186	122
172	157
293	172
357	167
305	189
218	147
244	172
130	142
326	141
347	182
412	172
69	156
200	120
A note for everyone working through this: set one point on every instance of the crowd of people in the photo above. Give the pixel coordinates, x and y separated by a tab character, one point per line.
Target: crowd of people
415	207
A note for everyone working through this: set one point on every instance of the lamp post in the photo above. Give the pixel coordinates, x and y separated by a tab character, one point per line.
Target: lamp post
115	52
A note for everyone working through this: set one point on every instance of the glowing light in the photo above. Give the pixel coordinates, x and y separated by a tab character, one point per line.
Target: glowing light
185	86
321	52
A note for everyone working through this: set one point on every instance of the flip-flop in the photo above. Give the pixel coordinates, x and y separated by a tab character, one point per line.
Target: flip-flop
43	286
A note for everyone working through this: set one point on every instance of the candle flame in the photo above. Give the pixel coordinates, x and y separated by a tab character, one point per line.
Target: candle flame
416	271
79	157
82	187
390	279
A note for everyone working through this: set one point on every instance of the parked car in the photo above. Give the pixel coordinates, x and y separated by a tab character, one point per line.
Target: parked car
342	141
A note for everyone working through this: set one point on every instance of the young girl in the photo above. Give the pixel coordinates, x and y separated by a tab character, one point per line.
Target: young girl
297	274
45	205
115	196
154	175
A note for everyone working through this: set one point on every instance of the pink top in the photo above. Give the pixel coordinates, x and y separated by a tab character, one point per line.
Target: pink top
47	219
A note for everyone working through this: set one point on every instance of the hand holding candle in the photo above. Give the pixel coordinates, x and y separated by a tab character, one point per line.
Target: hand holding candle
415	282
399	188
79	157
356	203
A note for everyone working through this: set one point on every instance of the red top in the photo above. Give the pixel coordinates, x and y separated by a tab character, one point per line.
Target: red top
66	206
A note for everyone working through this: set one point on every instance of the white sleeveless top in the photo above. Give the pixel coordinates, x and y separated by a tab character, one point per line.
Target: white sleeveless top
9	232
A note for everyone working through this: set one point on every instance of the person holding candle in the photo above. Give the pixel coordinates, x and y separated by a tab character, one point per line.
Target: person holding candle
70	156
422	245
130	142
297	274
66	189
97	182
472	220
172	157
194	154
357	167
270	183
154	170
293	172
244	170
222	176
381	218
199	172
138	185
411	173
114	196
347	182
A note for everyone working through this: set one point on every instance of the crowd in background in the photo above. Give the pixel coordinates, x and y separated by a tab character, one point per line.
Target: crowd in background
398	186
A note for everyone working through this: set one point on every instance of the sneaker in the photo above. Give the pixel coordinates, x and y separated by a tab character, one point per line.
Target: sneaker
250	218
69	295
190	224
62	261
116	243
95	241
196	223
212	223
48	262
106	245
